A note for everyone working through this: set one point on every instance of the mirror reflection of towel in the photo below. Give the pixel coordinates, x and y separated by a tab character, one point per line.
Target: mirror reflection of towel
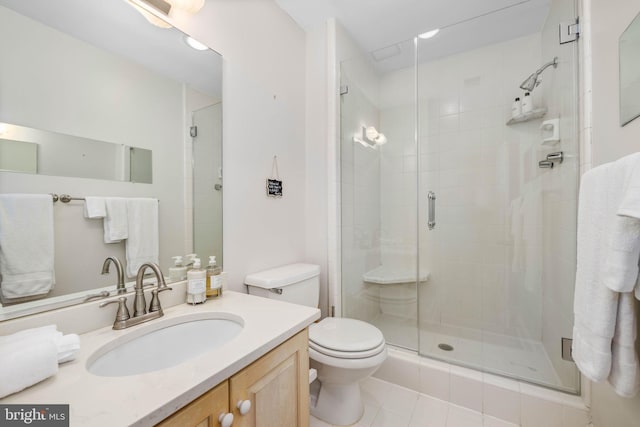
142	245
26	245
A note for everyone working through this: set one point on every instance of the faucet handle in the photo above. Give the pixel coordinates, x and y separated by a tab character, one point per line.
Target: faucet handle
123	312
155	300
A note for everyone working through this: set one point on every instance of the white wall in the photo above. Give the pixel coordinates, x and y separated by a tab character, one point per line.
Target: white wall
263	116
43	101
609	142
317	152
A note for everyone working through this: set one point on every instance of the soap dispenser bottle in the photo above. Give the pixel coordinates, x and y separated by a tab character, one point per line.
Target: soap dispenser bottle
178	271
214	279
189	259
196	284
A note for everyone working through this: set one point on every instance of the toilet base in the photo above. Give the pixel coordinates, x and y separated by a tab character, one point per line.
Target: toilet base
338	404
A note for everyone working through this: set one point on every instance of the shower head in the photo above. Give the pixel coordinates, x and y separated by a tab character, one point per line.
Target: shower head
533	80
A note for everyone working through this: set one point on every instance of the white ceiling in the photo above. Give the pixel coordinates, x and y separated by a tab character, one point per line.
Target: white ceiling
465	24
115	26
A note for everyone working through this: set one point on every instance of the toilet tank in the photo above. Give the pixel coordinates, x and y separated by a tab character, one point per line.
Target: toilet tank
295	283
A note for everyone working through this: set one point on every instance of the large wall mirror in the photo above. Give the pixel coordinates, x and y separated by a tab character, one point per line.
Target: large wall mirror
629	47
96	77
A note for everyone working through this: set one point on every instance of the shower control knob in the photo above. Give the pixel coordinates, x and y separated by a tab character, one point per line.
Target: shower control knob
225	419
244	406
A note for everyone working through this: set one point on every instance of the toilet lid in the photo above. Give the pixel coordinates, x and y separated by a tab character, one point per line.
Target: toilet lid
345	335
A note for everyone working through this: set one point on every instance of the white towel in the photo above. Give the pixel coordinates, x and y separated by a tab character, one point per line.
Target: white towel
625	369
621	267
25	364
116	226
26	245
95	207
595	305
142	244
605	320
67	346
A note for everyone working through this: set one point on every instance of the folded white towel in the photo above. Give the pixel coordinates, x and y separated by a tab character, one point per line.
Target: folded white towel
625	369
67	346
116	227
27	250
142	245
25	364
630	205
33	334
95	207
621	266
595	305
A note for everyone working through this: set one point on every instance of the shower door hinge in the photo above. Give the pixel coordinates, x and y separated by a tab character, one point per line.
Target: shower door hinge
569	31
333	311
566	349
193	131
344	89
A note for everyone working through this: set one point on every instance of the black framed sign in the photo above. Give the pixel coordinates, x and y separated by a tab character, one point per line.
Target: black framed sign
274	188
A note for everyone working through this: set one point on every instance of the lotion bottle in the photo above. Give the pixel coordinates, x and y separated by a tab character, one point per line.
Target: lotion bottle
178	271
527	103
196	284
516	108
214	279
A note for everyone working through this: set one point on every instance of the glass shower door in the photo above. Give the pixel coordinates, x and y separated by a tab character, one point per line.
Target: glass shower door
379	200
207	183
501	259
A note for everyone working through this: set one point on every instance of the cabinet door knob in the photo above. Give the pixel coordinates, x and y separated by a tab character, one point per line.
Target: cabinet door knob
225	419
244	406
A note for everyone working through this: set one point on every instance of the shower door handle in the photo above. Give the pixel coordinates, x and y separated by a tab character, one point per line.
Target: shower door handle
431	223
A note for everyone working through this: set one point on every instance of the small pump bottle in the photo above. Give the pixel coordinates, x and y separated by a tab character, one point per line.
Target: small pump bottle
214	279
527	103
196	284
178	271
516	108
189	258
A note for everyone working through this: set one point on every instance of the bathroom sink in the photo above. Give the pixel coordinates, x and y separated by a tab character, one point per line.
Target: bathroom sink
164	343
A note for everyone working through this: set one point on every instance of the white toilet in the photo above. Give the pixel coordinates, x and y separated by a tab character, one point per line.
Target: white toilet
344	351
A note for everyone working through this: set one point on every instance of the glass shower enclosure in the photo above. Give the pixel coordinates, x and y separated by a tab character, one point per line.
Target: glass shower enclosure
458	225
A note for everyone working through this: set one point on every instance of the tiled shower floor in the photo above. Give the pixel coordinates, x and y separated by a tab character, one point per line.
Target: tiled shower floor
501	354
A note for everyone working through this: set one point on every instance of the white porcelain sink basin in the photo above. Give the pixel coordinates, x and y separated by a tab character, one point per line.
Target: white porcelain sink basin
164	343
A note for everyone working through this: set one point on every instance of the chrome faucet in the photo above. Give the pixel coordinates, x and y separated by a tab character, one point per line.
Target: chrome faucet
120	271
140	315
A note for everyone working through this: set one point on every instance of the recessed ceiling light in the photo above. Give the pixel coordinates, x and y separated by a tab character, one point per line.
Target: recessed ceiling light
195	43
429	34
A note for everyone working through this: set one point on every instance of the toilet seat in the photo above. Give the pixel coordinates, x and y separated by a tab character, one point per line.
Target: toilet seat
347	354
346	338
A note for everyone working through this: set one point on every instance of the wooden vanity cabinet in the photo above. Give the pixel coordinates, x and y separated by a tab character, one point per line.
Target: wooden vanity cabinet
276	385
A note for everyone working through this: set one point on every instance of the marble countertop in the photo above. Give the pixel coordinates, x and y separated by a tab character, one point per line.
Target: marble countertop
148	398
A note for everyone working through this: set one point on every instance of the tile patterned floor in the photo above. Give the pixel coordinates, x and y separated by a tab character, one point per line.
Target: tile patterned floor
389	405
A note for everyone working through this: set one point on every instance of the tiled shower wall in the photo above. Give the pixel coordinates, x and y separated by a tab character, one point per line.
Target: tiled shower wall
484	174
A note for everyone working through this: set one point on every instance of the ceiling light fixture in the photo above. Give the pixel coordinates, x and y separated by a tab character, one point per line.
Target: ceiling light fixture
155	11
429	34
